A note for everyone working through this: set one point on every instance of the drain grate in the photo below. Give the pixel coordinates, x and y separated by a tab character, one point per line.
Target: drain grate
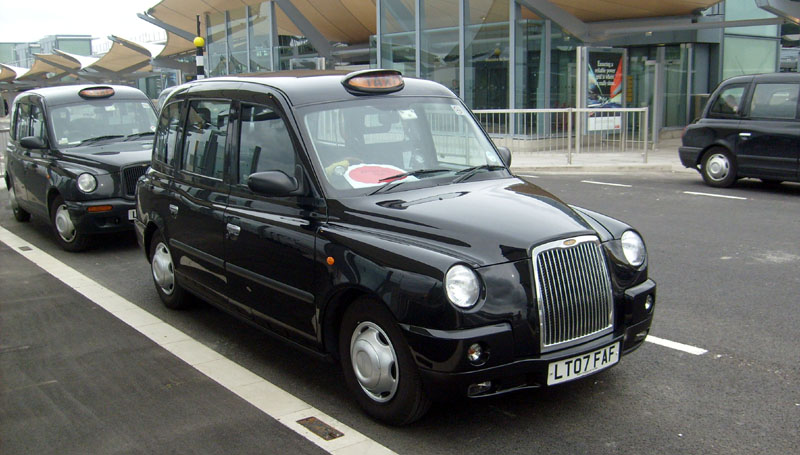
320	428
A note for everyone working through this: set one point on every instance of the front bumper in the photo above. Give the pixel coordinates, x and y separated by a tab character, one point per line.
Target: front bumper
114	220
454	377
690	156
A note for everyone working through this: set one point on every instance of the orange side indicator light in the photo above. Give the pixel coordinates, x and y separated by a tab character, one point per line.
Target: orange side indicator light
99	208
330	260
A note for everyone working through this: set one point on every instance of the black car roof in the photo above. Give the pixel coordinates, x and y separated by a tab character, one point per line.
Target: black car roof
765	77
311	87
68	94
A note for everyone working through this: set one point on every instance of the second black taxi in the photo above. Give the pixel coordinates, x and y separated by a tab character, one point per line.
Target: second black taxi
368	218
74	155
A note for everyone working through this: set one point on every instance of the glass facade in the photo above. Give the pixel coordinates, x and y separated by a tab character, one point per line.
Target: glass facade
440	56
398	23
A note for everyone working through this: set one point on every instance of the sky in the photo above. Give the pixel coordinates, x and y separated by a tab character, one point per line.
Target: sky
31	20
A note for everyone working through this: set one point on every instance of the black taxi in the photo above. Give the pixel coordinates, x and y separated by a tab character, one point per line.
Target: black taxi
74	155
750	127
368	218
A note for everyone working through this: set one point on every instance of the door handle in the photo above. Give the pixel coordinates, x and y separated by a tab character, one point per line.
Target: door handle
173	209
233	230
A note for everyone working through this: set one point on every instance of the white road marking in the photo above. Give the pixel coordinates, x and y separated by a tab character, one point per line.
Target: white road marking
715	195
675	345
269	398
531	176
606	183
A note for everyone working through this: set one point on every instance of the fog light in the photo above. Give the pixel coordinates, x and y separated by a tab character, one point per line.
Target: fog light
479	388
475	353
648	303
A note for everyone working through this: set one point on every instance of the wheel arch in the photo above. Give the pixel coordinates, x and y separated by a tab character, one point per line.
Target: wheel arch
334	311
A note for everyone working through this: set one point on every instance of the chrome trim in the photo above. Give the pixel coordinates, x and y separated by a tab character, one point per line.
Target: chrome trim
576	303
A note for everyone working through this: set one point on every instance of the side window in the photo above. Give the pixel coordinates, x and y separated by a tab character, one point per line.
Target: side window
264	143
37	122
206	134
729	101
778	101
164	149
23	127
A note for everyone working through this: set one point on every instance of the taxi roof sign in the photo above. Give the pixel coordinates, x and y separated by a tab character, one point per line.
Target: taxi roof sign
374	81
96	92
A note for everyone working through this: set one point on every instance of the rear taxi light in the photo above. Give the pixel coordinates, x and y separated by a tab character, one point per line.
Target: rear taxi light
99	208
96	92
374	81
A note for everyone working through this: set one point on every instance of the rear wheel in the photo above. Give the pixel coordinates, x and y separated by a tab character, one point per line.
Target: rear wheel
163	270
719	168
378	366
19	213
68	235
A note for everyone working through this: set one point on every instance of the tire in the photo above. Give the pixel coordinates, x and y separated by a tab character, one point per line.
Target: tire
20	214
162	268
369	333
719	168
68	236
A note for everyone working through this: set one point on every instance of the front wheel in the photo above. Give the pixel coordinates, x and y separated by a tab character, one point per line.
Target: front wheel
69	236
719	168
378	366
163	270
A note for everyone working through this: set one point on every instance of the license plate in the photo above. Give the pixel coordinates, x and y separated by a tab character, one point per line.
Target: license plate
132	214
582	365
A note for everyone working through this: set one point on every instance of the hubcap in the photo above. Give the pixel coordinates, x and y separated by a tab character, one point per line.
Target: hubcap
374	362
718	167
64	224
163	272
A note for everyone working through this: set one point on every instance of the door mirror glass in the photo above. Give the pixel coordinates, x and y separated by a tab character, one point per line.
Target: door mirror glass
505	155
33	142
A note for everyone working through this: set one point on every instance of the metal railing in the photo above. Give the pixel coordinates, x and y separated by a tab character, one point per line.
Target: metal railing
569	130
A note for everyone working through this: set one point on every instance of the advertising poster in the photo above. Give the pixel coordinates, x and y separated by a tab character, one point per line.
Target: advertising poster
604	87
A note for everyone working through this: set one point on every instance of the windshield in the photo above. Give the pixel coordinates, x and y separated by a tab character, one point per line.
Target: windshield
376	144
76	123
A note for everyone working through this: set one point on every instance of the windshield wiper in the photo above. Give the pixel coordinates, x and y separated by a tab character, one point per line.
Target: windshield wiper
100	138
137	135
391	183
416	173
467	173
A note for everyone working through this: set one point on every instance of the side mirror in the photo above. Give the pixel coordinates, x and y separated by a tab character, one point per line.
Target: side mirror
273	183
505	155
33	142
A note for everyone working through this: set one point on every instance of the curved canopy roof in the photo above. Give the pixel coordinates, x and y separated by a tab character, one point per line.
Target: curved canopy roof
127	55
8	72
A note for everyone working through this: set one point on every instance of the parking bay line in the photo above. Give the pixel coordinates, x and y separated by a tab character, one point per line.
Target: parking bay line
592	182
267	397
724	196
675	345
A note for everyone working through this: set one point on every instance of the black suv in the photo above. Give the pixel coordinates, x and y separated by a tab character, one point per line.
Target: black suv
749	128
369	218
74	157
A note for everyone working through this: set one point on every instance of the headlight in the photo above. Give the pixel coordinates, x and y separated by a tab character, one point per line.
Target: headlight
633	247
87	183
462	286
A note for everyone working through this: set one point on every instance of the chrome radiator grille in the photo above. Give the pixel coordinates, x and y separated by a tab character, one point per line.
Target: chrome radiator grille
573	288
129	177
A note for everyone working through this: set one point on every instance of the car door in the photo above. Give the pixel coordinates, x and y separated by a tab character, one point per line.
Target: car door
16	153
197	200
37	162
769	136
270	240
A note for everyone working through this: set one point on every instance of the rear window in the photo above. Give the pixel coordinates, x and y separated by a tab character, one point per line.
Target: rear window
729	101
